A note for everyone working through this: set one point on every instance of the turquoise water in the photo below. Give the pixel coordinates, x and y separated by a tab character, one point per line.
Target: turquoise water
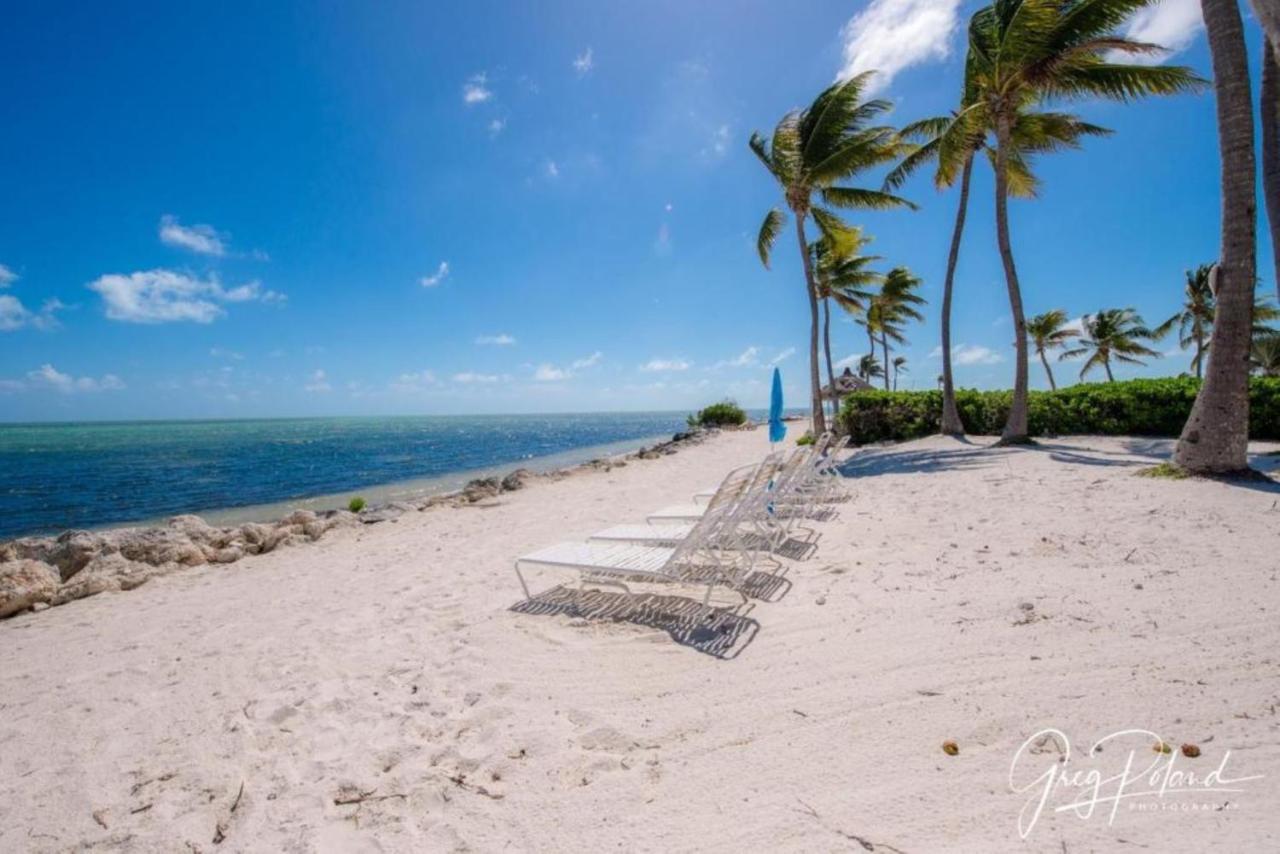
58	476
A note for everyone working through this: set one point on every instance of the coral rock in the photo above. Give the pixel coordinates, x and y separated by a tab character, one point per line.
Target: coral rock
24	584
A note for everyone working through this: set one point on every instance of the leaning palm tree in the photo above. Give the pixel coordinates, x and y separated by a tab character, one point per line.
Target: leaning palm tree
891	308
1113	333
1024	51
841	274
1264	357
1215	439
899	367
951	142
1268	14
1049	331
812	152
869	367
1194	320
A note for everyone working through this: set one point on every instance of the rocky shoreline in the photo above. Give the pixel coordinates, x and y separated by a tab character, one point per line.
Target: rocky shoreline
40	572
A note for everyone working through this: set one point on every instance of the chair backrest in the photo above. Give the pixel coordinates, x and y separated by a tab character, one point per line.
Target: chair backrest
738	494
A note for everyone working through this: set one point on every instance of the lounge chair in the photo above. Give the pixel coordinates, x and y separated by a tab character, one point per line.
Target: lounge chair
706	555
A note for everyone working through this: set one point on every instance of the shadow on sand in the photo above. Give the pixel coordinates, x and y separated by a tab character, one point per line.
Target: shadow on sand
1135	453
720	633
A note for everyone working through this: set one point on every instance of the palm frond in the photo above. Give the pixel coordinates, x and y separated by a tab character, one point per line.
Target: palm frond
758	145
769	230
853	197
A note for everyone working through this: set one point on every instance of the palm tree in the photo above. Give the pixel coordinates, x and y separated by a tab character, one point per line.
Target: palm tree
951	142
1023	51
1269	118
899	367
841	274
812	152
1194	319
1215	438
1049	331
1264	357
1268	14
1112	333
869	367
891	307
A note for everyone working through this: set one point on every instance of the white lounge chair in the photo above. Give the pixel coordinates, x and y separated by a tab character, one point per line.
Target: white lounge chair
704	556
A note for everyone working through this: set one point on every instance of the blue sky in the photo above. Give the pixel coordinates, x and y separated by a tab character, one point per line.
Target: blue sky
269	209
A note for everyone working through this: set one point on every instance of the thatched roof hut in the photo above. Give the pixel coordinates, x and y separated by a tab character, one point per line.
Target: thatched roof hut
846	383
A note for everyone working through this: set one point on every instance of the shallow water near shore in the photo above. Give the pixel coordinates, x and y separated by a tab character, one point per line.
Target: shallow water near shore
89	475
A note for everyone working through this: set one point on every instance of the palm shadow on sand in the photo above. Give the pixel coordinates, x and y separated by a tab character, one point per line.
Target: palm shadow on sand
881	461
1137	452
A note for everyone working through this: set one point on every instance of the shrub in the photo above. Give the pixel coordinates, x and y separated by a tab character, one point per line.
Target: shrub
719	414
1147	407
356	504
806	439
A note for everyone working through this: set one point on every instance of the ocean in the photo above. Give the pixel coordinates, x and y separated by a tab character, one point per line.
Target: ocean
91	475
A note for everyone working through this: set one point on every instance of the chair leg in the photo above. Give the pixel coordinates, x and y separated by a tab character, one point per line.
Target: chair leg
523	585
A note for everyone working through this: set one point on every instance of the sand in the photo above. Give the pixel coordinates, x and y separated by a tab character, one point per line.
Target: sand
376	691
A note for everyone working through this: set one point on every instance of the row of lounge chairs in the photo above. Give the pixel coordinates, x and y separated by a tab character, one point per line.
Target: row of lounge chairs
716	539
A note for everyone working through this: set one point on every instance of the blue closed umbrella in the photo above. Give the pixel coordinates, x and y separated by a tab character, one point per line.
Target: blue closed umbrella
777	430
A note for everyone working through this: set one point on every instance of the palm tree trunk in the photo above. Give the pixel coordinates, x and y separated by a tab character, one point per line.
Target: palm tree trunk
1268	12
1052	385
1270	119
884	339
1015	430
1215	438
815	377
1199	352
826	346
1106	366
951	423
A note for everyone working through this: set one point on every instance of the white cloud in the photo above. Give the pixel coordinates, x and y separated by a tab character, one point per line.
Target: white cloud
655	365
662	243
718	145
584	63
47	376
552	170
442	273
782	356
469	377
744	359
14	315
318	382
588	362
162	296
1173	24
890	36
415	381
201	239
7	276
550	373
499	340
970	354
497	126
222	353
476	90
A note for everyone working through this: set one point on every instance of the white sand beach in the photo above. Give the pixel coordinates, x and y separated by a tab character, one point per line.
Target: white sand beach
385	689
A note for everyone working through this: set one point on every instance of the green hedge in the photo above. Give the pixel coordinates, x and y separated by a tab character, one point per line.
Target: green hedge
721	414
1156	407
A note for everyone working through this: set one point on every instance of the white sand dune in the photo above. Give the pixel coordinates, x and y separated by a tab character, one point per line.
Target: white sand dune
234	708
